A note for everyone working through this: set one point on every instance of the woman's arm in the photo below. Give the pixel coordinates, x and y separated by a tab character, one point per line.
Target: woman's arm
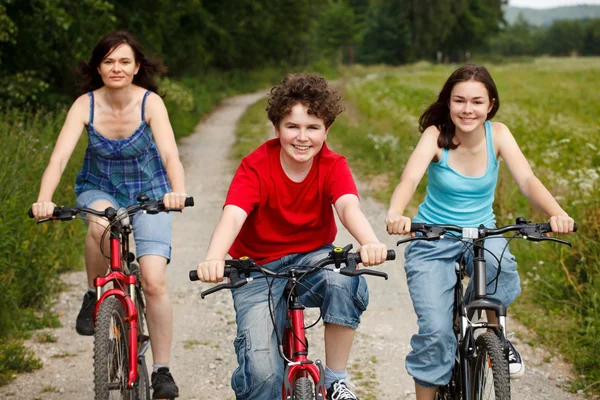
158	119
531	187
68	137
426	150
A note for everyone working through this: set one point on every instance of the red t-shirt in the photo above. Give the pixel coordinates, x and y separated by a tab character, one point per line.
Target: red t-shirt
284	216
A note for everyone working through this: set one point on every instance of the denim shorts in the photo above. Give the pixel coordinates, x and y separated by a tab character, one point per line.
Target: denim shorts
430	271
152	233
342	300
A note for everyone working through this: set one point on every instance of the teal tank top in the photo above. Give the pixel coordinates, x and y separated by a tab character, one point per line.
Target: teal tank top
453	198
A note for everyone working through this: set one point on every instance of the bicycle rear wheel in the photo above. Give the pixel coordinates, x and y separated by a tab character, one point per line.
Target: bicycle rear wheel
304	389
490	369
111	352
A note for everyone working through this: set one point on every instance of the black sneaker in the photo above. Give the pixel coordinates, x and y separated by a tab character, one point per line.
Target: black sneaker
516	366
339	391
85	319
163	385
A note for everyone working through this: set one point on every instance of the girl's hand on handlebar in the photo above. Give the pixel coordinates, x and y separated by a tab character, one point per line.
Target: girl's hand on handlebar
211	271
373	253
561	224
43	209
397	224
174	200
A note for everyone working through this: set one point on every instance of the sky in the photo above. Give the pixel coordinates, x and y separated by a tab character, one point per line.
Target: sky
549	3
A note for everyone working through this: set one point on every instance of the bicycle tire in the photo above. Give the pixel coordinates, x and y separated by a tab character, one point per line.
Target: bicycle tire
491	379
142	391
111	352
303	389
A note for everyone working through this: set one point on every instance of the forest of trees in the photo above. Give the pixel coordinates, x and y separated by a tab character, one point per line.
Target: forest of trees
41	40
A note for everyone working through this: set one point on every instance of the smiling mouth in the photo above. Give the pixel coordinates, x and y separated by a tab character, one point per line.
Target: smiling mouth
301	148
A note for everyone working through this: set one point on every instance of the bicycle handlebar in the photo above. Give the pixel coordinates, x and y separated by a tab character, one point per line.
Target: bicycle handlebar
235	268
148	206
527	230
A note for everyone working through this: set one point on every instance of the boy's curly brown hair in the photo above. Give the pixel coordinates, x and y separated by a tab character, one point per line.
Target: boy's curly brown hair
311	90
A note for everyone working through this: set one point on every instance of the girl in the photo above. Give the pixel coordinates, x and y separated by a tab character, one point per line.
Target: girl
131	150
459	148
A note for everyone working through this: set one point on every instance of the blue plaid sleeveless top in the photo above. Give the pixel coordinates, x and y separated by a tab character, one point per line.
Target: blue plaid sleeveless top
123	168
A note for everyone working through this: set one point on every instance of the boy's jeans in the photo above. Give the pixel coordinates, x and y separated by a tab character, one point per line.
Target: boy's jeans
342	299
431	279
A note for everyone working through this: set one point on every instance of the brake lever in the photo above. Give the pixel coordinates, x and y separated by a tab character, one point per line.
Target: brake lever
235	281
412	239
544	238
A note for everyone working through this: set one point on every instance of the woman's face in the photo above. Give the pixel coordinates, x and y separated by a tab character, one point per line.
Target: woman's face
469	105
118	68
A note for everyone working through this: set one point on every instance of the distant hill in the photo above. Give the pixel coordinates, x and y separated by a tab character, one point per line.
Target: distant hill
546	16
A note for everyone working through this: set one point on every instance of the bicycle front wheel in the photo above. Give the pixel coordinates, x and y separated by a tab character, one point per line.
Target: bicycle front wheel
490	369
111	352
304	389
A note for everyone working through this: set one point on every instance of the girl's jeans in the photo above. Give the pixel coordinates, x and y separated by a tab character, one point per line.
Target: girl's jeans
430	270
342	299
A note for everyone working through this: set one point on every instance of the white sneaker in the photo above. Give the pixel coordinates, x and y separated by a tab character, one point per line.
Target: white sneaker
516	365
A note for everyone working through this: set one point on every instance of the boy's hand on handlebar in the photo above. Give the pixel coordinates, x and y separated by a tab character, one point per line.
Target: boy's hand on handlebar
174	200
43	209
561	224
397	224
211	271
373	253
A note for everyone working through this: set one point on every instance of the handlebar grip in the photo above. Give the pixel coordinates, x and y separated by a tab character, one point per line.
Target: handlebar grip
30	213
546	227
189	202
391	255
194	275
416	227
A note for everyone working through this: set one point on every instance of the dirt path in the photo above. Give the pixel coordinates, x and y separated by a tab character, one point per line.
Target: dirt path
203	357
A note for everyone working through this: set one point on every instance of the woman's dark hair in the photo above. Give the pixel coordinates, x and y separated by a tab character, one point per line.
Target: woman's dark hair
311	90
91	79
438	113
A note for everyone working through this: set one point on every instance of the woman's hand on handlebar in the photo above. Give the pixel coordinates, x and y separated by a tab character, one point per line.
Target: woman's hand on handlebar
397	224
561	224
211	271
373	253
174	200
43	209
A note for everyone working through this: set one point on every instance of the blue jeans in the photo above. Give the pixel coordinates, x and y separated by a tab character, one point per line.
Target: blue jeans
431	279
342	300
152	232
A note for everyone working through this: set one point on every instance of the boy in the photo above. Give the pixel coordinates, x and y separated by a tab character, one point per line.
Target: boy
278	212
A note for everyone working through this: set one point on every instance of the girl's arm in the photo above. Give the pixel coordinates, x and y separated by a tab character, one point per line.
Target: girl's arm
372	252
69	135
158	119
227	229
531	187
426	150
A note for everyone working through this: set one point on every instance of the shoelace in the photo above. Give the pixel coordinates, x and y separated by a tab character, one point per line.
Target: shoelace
341	391
512	357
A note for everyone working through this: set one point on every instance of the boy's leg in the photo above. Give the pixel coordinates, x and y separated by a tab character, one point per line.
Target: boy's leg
259	374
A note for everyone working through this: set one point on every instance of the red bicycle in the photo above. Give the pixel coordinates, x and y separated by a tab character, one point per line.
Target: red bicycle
303	379
120	342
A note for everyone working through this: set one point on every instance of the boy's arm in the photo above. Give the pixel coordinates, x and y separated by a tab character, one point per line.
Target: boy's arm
227	229
372	252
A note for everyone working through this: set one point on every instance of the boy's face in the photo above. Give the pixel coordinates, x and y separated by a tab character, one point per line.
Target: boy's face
301	136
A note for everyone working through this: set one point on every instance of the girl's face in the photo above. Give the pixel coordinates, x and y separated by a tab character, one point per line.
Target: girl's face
301	136
118	68
469	105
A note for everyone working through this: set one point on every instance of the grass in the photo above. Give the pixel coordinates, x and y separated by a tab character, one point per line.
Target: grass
551	106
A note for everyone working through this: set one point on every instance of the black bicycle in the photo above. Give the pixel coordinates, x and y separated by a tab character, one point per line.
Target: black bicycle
481	369
304	379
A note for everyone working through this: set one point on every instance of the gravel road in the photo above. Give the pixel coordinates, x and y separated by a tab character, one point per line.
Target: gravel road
203	357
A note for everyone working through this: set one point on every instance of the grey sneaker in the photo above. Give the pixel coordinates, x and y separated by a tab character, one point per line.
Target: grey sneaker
516	366
339	391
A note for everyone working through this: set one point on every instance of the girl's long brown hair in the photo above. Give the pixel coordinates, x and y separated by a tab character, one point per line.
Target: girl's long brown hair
438	113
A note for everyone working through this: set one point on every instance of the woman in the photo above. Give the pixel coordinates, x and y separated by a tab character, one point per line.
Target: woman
131	150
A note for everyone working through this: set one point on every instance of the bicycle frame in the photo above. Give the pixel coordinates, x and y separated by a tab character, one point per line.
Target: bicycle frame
296	349
119	246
